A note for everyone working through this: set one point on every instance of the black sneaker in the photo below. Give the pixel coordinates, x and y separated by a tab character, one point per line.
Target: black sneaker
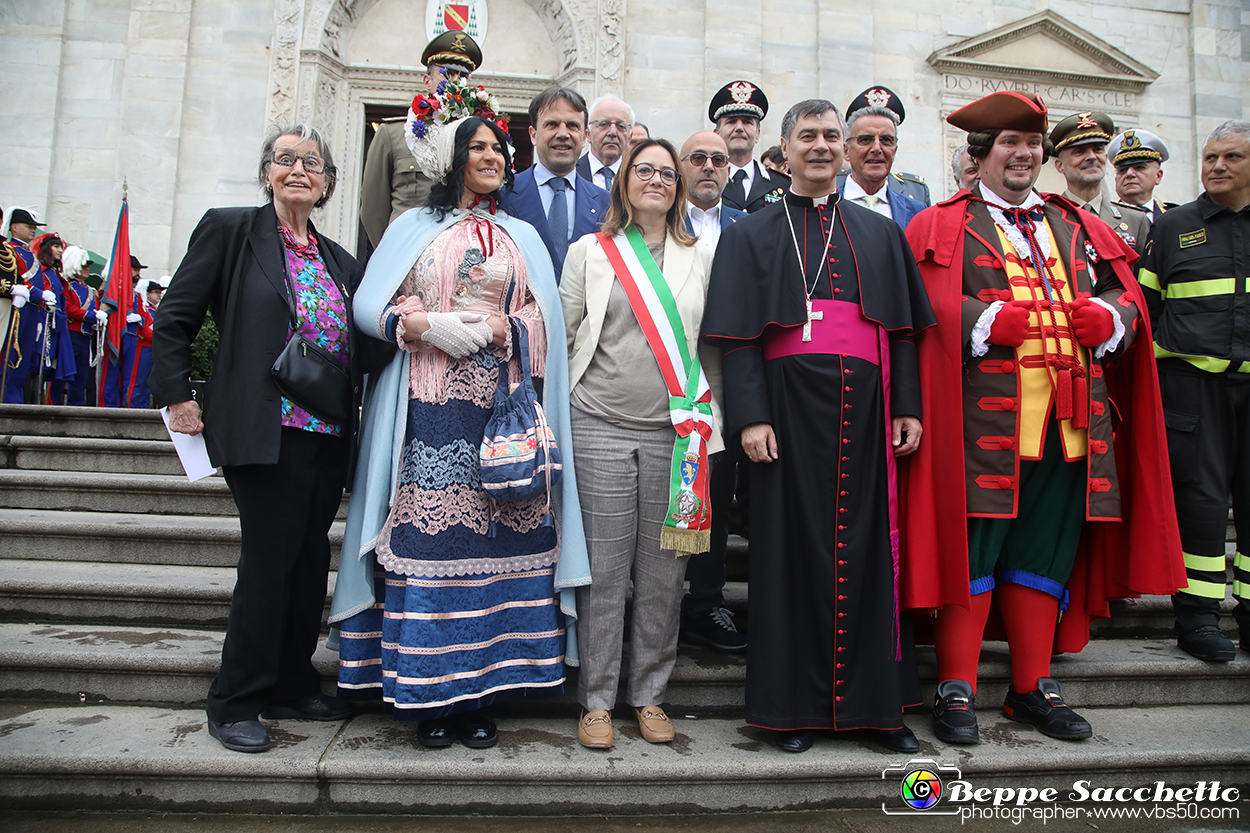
954	718
1045	709
1207	643
715	629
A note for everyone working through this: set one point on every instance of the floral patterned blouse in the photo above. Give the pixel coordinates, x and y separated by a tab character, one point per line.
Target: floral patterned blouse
320	317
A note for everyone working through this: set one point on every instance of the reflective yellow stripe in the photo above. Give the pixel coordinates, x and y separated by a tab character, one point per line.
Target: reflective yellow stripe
1205	563
1204	589
1207	363
1199	289
1241	590
1149	280
1245	368
1241	561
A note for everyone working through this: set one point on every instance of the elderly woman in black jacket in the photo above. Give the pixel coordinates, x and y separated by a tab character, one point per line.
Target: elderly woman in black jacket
268	276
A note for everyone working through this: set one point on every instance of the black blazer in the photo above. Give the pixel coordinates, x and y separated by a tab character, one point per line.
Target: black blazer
234	266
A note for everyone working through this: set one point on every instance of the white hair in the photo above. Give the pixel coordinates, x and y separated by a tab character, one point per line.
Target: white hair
601	99
1230	128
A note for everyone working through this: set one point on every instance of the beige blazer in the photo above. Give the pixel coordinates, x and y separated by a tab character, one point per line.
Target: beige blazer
587	283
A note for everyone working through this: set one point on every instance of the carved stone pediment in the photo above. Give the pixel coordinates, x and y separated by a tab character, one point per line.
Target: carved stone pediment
1044	48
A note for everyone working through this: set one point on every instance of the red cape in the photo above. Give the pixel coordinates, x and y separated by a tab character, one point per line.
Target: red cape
1139	555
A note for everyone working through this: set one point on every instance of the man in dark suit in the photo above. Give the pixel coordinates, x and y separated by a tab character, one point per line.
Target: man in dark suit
704	618
611	125
871	142
737	110
540	195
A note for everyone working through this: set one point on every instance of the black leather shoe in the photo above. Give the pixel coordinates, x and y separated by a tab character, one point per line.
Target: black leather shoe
478	731
313	707
241	736
799	741
896	740
1045	709
954	719
715	629
436	734
1207	643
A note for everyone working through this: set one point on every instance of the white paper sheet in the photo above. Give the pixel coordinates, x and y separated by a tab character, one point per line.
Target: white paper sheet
192	452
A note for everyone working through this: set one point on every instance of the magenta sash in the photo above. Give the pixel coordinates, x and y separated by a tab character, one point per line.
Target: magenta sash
843	330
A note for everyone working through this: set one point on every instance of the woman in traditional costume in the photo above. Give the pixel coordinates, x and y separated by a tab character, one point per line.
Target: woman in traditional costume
447	599
642	425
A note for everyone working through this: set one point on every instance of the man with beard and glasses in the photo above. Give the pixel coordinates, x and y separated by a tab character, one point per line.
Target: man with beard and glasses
1021	495
1080	143
815	304
704	618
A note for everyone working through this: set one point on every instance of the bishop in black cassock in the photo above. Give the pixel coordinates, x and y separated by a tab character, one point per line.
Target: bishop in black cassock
832	382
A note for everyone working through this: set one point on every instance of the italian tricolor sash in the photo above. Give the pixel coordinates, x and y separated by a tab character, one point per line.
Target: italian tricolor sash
688	524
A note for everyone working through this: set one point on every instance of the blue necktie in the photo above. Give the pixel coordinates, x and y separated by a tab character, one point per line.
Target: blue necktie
607	178
558	217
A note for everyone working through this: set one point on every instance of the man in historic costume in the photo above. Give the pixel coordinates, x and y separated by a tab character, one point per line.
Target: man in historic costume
1020	493
11	301
872	122
737	110
391	183
1192	275
20	347
118	381
1138	157
814	304
1080	143
86	319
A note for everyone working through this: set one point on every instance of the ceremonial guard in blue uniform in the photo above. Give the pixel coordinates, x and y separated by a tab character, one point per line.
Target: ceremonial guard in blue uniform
21	336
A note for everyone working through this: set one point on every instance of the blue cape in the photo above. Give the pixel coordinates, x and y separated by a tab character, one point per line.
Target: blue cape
385	416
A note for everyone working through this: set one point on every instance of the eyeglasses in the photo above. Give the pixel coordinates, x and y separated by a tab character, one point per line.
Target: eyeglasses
866	140
699	159
604	124
645	172
286	158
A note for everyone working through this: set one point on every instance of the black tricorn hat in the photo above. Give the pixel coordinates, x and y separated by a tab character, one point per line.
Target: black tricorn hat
738	98
1003	110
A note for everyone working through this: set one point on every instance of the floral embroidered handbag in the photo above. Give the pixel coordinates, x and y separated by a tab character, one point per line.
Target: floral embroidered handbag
519	457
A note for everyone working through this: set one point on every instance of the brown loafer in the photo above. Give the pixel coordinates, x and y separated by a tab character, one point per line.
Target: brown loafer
654	725
594	729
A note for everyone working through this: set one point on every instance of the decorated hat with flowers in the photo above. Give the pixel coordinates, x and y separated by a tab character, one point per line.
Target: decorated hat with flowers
431	115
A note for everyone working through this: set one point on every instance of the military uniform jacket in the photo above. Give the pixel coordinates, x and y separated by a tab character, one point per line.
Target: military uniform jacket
392	184
1131	224
767	187
1194	275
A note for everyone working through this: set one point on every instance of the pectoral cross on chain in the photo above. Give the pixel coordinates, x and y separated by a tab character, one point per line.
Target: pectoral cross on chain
811	316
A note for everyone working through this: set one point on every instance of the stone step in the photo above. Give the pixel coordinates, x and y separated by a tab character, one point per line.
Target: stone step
99	423
52	661
89	455
127	538
150	494
129	758
118	594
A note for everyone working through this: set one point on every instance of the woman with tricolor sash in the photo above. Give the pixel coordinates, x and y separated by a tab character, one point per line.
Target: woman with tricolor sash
644	420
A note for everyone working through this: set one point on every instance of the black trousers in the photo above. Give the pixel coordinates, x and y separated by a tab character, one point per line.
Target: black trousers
1208	427
285	512
706	570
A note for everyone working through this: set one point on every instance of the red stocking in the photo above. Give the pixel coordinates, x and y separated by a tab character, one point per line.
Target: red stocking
1030	617
957	635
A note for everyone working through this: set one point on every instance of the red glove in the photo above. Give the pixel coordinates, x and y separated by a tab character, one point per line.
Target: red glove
1091	323
1011	325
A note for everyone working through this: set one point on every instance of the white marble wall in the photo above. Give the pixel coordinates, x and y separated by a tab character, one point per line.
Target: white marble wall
171	95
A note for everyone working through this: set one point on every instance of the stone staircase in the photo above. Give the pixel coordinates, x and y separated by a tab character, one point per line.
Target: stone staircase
115	580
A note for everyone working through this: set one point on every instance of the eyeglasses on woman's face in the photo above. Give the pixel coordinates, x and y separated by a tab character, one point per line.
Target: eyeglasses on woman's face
287	157
645	172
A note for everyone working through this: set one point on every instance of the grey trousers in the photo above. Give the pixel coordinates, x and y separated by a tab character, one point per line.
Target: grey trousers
622	481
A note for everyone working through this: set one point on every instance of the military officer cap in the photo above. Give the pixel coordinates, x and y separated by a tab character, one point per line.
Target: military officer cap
455	48
1005	110
878	97
1136	146
1082	129
738	98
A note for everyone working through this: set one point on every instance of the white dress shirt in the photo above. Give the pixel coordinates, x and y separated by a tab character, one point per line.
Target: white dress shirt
543	177
596	170
746	183
706	224
853	192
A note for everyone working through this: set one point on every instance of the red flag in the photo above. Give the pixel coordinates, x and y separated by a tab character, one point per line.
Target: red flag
117	295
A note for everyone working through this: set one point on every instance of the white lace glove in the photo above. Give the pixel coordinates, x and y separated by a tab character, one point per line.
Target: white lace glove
457	334
134	318
101	319
49	299
21	294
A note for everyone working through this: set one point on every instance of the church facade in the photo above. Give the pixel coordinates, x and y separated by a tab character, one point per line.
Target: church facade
174	96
